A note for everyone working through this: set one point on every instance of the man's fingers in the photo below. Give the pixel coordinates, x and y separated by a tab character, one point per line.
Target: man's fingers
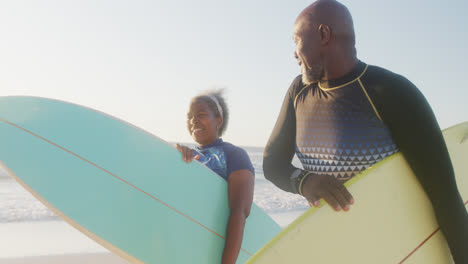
331	200
347	195
313	201
339	196
329	189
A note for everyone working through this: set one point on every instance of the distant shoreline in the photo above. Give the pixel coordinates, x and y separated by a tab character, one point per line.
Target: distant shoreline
252	148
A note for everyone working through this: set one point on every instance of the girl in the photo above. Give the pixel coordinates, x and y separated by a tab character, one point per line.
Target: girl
206	121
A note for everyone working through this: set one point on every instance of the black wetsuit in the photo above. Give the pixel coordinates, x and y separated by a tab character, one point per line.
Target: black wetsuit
342	126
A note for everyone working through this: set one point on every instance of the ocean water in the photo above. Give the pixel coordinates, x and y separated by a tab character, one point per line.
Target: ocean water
18	205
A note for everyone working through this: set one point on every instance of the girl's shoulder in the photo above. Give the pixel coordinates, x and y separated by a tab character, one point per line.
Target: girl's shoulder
237	158
229	147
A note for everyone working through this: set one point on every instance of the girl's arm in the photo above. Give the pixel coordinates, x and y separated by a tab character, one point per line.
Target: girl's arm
240	195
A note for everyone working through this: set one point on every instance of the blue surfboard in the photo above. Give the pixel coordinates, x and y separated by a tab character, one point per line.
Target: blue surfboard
120	185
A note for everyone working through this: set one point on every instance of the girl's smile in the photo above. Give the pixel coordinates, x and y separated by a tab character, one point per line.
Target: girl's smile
202	123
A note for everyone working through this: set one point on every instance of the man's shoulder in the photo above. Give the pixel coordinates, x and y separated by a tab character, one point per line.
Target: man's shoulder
296	86
381	74
381	80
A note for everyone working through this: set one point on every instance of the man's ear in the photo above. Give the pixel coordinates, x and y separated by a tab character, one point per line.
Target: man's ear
325	33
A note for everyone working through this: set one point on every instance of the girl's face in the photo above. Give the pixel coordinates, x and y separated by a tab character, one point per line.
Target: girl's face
202	123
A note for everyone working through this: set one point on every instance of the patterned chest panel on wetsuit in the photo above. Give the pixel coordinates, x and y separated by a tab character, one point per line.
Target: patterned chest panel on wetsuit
338	131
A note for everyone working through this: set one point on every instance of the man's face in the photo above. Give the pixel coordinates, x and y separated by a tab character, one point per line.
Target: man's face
307	52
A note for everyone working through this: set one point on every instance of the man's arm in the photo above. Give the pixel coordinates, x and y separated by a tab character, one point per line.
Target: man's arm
281	145
417	134
279	153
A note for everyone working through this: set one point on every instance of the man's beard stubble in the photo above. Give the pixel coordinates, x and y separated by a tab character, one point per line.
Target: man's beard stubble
312	75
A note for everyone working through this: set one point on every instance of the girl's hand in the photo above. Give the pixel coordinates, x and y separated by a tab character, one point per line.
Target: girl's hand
187	153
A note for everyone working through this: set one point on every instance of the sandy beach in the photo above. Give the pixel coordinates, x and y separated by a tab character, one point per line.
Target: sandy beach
91	258
50	242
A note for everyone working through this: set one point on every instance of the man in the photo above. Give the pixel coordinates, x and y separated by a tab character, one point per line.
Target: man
341	109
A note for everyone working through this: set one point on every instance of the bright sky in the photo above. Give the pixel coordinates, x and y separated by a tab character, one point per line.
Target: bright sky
142	61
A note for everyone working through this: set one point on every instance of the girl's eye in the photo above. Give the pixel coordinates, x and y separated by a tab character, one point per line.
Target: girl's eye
191	116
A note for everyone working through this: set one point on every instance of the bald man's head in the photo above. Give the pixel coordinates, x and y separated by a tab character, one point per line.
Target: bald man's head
330	13
324	36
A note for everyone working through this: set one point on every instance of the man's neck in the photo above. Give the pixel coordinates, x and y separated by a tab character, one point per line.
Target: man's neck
339	65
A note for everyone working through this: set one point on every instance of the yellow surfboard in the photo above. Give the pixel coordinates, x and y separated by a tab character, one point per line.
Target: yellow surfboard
392	224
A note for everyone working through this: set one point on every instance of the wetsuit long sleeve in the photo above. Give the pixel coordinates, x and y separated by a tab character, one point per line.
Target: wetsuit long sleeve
334	125
280	148
415	130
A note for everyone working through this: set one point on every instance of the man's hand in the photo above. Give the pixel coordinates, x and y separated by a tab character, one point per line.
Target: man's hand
328	188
